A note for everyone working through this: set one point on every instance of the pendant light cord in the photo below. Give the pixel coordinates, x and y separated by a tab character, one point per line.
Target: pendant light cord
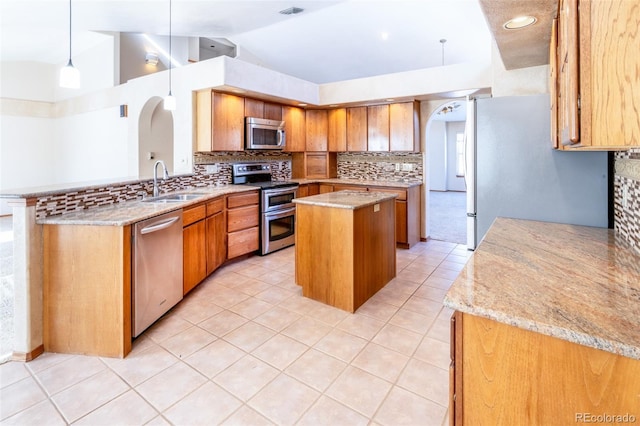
70	31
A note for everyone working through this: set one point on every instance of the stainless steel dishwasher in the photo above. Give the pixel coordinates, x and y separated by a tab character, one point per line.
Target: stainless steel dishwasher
157	268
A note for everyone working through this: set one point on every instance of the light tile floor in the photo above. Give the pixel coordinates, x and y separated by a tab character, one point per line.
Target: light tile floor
245	348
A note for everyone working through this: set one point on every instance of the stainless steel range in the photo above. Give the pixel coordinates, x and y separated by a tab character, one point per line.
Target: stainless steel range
277	211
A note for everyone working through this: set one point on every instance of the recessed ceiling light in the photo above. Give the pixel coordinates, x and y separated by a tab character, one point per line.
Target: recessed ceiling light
302	104
292	11
390	99
520	22
333	105
384	35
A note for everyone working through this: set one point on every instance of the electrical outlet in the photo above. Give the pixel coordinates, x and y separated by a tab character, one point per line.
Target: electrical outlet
211	168
407	167
397	167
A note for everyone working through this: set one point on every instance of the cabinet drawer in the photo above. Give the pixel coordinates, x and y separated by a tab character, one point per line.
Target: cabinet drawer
193	214
242	218
242	242
402	194
215	206
244	199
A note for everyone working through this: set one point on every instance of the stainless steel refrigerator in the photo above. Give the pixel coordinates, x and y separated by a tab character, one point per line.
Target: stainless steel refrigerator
512	171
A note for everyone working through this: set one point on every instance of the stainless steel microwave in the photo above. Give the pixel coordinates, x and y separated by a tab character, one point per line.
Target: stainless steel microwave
261	133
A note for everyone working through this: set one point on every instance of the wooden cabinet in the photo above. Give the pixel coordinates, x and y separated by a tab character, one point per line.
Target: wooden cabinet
378	128
337	132
216	235
295	128
314	165
504	375
404	126
219	122
204	241
594	62
317	129
308	189
407	206
260	109
243	217
357	129
194	256
87	290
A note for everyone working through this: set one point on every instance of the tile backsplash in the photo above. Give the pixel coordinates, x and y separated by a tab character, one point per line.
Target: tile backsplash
214	168
627	196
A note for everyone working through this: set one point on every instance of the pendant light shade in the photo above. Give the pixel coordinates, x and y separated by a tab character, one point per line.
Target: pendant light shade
69	75
170	100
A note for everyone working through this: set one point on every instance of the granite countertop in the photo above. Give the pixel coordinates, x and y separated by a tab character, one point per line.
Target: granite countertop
126	213
345	199
576	283
43	191
386	183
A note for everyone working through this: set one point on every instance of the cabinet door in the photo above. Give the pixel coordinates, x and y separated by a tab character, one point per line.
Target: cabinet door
317	127
402	236
404	127
337	135
295	128
357	129
303	191
227	122
216	241
323	188
253	108
314	189
568	87
272	111
553	82
378	128
193	255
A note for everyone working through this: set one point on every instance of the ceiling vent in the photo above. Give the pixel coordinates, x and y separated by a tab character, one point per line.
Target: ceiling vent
292	11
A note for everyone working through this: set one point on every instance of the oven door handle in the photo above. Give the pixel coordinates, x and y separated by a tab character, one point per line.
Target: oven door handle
277	214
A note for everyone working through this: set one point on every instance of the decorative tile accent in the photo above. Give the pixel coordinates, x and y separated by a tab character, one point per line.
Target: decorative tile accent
380	166
361	166
627	179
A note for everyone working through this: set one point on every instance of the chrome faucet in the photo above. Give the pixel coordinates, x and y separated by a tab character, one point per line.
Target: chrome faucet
156	190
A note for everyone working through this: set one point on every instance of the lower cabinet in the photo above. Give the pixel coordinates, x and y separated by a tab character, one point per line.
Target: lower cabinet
505	375
243	220
204	241
407	209
194	240
308	189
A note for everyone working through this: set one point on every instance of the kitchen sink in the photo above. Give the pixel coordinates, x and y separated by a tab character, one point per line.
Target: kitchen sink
174	198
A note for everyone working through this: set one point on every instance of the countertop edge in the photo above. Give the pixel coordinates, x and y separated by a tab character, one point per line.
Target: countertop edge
310	202
388	184
558	332
148	209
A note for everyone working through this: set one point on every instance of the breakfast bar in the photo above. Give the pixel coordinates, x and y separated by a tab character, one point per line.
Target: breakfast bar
345	246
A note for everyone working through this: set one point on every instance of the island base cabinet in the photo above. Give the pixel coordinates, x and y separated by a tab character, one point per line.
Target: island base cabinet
505	375
87	290
344	256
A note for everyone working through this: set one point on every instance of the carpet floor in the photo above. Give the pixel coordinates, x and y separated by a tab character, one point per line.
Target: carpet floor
447	215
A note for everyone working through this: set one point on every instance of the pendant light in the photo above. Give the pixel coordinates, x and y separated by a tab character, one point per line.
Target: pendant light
170	100
69	75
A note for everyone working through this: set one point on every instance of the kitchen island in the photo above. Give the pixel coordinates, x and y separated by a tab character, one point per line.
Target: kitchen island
546	327
345	246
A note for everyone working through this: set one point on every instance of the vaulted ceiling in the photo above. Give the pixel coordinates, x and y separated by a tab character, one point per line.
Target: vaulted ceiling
330	40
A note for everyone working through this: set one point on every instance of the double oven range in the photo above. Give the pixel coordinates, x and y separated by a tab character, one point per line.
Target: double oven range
277	210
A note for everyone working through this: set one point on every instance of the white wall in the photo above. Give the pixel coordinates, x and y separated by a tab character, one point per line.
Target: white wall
437	156
454	183
134	47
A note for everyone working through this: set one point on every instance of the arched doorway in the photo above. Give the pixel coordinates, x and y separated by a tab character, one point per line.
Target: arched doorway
446	207
155	137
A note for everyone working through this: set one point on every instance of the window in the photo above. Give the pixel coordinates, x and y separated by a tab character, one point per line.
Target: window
460	155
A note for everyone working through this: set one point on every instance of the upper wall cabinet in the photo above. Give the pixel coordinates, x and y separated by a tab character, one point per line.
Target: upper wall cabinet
378	128
317	127
357	129
337	132
404	126
259	109
219	121
294	128
594	75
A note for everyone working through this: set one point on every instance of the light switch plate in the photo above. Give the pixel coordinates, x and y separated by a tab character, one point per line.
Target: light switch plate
211	169
376	208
